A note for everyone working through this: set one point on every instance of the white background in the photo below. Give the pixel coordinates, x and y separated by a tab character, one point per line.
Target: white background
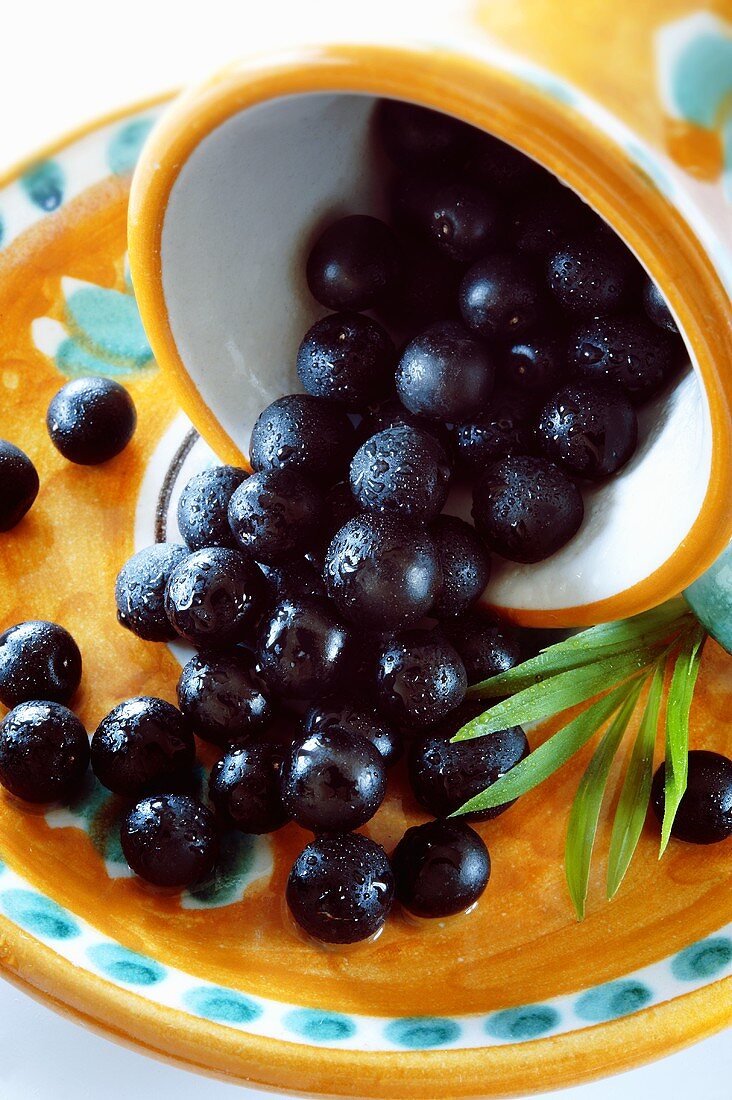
64	62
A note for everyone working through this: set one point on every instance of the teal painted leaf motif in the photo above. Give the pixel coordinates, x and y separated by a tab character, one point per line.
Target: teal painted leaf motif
76	361
43	183
228	882
702	79
107	324
125	146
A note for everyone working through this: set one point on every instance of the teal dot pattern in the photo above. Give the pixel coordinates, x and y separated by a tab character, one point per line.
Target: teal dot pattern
125	966
609	1002
224	1006
422	1032
519	1025
126	145
37	914
43	183
319	1026
709	958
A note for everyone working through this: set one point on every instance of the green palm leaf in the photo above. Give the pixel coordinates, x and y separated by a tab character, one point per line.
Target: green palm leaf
678	706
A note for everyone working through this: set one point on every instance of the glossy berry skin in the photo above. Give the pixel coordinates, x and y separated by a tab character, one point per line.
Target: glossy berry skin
276	515
90	420
500	296
417	137
293	579
213	597
440	868
656	307
360	720
382	572
44	752
445	373
170	840
505	428
139	590
486	645
392	414
497	165
589	428
465	562
222	697
463	221
302	648
333	781
420	678
354	264
401	471
704	815
629	351
306	434
143	745
444	776
203	507
535	364
592	274
348	358
526	508
38	660
341	888
244	788
18	484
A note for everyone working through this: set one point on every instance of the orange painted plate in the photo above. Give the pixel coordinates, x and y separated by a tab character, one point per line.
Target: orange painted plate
512	997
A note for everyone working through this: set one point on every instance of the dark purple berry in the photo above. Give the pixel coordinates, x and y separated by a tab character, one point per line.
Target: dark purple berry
445	373
630	351
505	428
401	471
496	164
486	645
392	414
90	420
44	752
357	719
244	788
592	274
170	840
460	219
704	815
656	306
18	484
38	660
276	515
333	781
293	579
501	296
426	290
347	358
222	696
303	433
417	137
303	649
465	562
440	868
213	597
139	590
589	428
354	264
535	364
382	572
542	221
341	888
420	678
203	507
142	745
526	508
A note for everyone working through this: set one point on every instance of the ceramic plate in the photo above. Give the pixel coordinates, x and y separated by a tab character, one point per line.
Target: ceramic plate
511	997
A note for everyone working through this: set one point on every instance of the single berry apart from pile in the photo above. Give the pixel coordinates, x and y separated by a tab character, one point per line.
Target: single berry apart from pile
505	428
445	776
526	508
90	420
203	507
348	358
417	137
382	572
341	888
222	696
500	296
440	868
303	433
465	563
244	788
630	351
420	678
402	471
656	307
592	274
445	373
589	428
139	590
354	264
704	815
142	745
44	752
486	645
213	597
18	484
276	515
360	720
460	219
333	781
170	840
38	660
535	364
303	648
